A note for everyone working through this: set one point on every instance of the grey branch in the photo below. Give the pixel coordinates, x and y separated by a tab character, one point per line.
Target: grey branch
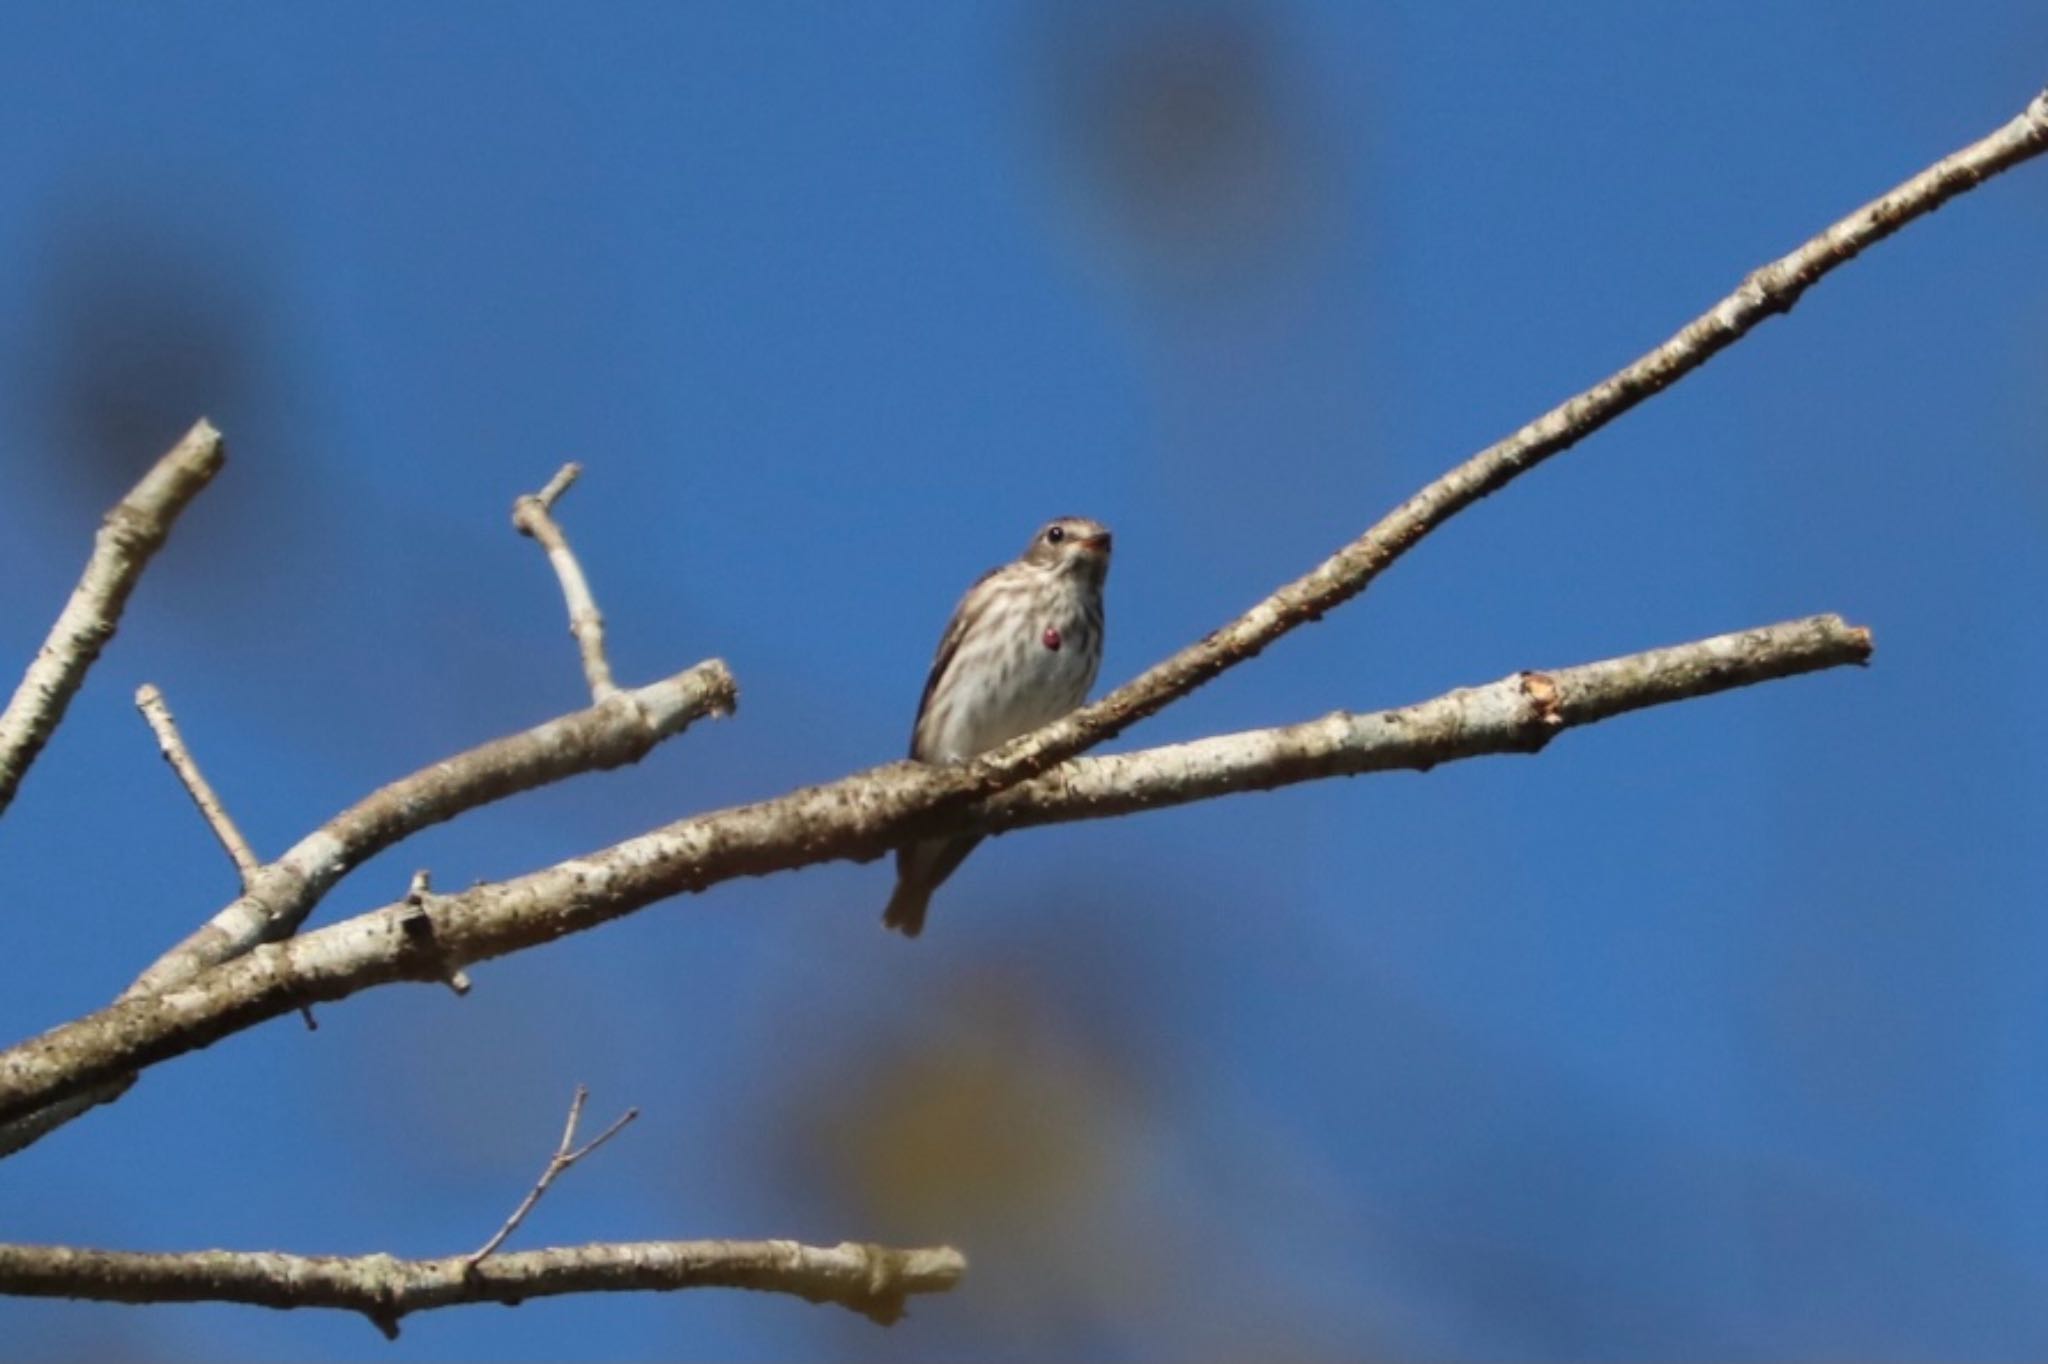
128	538
149	699
620	730
859	818
204	990
871	1280
1518	714
277	898
533	516
567	1153
1770	289
667	860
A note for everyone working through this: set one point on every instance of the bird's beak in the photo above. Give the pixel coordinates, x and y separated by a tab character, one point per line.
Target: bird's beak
1097	543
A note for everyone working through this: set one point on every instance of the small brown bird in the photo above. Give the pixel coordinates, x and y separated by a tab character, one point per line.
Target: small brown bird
1021	650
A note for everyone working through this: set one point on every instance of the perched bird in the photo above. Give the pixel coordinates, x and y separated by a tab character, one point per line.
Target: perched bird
1021	651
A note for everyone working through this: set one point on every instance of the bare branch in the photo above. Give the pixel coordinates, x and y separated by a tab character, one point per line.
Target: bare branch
621	730
128	538
1773	288
1518	714
567	1153
870	1280
219	981
859	818
863	815
532	515
149	699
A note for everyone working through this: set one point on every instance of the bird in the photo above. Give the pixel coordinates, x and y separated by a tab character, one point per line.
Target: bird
1021	650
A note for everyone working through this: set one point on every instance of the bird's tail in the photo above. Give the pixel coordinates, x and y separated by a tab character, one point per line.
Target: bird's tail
920	869
906	908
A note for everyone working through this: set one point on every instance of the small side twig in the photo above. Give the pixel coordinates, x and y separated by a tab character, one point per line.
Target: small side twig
567	1153
533	516
149	699
419	925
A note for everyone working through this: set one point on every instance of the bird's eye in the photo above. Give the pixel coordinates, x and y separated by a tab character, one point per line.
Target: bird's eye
1055	535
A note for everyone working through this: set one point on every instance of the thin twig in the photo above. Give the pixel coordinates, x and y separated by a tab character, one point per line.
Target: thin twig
565	478
129	536
149	699
567	1153
857	818
871	1280
533	516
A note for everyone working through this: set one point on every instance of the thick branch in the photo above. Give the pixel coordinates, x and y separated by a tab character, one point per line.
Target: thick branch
858	818
533	516
870	1280
129	536
615	732
277	897
1518	714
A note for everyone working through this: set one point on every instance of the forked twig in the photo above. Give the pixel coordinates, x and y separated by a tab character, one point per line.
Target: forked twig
567	1153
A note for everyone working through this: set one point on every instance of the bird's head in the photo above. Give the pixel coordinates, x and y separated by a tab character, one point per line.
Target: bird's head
1072	544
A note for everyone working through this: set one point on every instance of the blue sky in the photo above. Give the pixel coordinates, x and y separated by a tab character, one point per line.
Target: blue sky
1713	1031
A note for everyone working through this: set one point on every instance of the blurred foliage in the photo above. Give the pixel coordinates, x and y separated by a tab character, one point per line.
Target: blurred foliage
139	331
1183	131
136	323
994	1123
1024	1103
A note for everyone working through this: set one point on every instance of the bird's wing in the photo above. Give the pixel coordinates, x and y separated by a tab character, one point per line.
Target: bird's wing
949	644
